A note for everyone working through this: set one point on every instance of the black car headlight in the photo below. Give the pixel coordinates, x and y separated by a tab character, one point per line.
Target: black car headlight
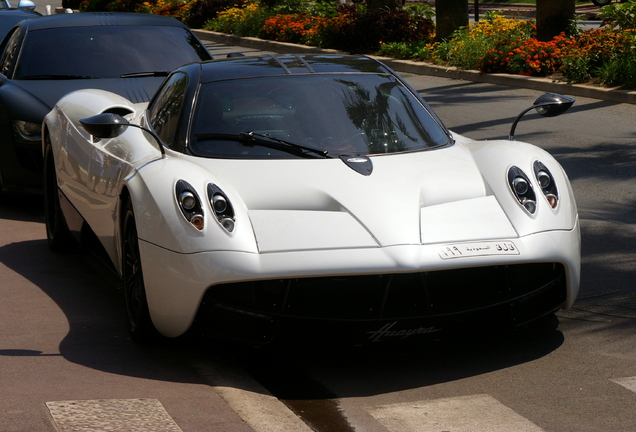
222	207
522	189
546	182
27	131
189	204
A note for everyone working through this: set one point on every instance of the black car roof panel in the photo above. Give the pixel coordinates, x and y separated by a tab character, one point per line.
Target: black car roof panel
85	19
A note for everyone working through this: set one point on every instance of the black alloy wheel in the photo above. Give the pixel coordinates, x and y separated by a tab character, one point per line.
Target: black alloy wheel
601	2
140	324
58	235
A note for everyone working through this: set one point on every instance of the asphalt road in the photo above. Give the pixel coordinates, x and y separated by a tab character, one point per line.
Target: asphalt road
65	356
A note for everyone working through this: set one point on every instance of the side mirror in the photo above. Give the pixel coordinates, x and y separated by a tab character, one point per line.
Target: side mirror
106	125
26	5
547	105
110	125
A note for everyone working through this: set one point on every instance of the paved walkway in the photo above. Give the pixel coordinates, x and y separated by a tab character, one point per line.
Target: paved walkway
588	11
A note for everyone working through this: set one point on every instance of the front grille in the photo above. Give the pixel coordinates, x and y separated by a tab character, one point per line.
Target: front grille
392	296
29	158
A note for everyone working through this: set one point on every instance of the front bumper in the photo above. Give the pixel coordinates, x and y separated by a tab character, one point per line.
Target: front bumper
398	290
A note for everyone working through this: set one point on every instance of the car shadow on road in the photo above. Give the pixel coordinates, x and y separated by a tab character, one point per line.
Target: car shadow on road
91	302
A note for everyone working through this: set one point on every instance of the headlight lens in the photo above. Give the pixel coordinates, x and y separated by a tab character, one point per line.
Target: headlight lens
187	200
189	204
222	207
522	189
547	183
28	131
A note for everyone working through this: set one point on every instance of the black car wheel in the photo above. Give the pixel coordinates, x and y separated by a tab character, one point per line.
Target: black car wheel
140	324
58	234
601	2
1	190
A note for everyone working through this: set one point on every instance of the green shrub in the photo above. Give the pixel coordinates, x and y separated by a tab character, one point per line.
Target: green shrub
622	15
591	50
201	11
407	50
241	21
620	69
467	47
357	31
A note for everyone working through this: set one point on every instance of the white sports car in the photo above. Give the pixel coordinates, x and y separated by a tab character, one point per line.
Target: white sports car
270	196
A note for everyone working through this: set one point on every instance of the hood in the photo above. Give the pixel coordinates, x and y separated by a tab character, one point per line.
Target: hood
416	198
44	94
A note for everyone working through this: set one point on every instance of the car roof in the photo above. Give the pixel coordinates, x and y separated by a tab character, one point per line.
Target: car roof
86	19
242	67
18	13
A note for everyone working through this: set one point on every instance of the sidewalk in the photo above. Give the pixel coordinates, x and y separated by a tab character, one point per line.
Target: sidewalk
589	10
423	68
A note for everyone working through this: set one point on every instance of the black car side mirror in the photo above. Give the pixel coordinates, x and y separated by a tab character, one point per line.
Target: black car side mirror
26	5
547	105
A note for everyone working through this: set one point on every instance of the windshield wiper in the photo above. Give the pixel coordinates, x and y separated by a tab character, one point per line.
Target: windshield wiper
277	143
145	74
253	138
57	77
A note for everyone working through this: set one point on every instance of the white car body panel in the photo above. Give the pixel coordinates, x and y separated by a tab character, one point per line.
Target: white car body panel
433	210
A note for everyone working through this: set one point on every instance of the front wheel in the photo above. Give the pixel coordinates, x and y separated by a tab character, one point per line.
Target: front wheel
601	2
58	235
140	324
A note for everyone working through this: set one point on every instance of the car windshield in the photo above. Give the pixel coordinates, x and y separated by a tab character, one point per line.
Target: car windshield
363	114
106	51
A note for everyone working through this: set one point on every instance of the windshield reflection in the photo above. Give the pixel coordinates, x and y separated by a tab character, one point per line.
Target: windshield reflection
363	114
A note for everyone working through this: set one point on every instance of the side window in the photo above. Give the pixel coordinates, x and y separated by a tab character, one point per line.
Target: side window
10	54
165	110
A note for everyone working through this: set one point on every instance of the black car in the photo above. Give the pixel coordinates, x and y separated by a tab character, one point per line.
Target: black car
43	59
10	17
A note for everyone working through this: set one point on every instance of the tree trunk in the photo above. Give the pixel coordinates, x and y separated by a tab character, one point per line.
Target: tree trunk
553	17
450	16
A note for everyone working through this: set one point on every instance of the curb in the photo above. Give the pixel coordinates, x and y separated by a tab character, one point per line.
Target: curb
423	68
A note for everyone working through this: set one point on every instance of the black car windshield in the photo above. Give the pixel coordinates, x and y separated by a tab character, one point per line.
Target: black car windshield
106	51
363	114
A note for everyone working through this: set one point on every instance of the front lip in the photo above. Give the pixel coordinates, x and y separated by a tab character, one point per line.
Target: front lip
173	310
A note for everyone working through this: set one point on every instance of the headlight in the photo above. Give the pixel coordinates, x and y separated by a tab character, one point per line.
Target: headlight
222	207
522	189
28	131
547	183
189	204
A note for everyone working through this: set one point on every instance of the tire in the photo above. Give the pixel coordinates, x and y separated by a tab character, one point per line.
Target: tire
140	325
2	194
601	2
58	235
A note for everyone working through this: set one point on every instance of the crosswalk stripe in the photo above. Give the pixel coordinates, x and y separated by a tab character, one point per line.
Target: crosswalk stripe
466	413
628	382
256	406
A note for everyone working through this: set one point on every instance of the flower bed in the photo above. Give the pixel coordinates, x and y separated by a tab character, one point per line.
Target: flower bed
492	45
